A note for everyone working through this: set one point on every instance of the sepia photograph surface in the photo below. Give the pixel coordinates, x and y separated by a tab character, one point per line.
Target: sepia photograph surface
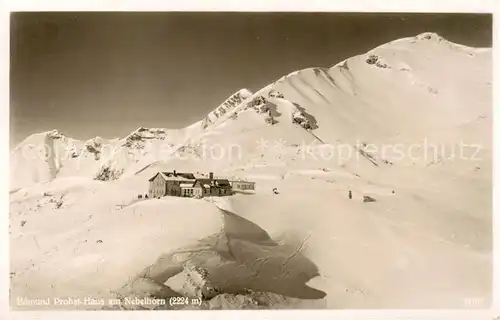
250	160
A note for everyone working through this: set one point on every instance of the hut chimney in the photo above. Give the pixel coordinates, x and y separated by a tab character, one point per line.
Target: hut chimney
211	175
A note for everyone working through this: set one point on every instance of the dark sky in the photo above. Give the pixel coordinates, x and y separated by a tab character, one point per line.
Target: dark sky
106	74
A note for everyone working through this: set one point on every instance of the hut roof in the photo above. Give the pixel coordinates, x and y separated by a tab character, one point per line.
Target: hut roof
177	176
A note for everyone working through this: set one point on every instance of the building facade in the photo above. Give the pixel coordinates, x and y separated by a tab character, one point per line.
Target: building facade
168	184
240	185
186	185
212	187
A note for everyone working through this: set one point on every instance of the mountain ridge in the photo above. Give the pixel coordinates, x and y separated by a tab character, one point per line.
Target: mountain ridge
313	99
421	36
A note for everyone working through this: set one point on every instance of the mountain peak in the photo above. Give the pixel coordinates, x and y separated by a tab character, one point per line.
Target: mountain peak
345	102
55	134
51	134
229	104
430	36
244	93
142	133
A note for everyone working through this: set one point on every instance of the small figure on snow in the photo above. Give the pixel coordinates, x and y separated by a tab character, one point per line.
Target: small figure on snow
350	194
275	191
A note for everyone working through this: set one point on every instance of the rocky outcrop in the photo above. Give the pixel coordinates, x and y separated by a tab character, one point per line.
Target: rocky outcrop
94	146
257	101
197	283
139	136
430	36
227	106
377	61
106	173
234	100
275	94
301	120
55	135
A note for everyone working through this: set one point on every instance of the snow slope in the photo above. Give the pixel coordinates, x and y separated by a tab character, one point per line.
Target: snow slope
425	242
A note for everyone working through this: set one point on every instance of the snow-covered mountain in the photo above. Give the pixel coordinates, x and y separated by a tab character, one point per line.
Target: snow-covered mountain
402	92
45	156
390	124
227	107
399	92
